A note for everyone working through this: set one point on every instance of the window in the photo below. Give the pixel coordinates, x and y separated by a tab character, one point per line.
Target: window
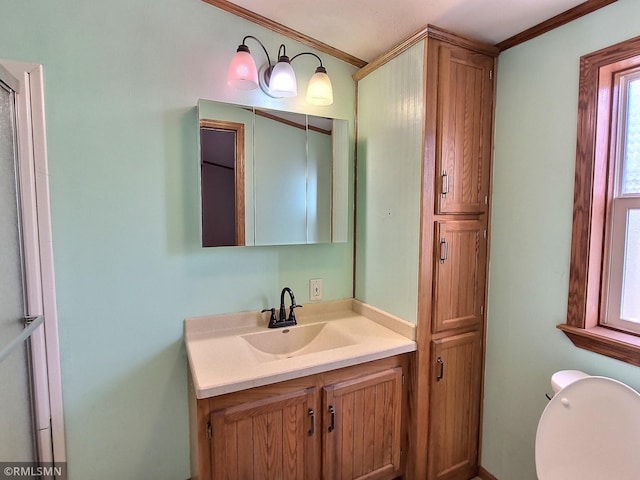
603	313
621	286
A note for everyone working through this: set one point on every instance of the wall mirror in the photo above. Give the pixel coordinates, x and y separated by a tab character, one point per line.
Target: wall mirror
270	177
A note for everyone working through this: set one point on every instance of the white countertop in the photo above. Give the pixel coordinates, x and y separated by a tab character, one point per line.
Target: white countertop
221	361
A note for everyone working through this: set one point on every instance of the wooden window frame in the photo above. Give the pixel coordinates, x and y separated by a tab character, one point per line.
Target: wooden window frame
592	201
619	205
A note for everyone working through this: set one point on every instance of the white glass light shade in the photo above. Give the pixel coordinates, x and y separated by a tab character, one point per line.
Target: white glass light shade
282	82
243	73
320	91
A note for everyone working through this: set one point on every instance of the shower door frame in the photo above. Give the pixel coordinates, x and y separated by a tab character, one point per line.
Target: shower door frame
35	214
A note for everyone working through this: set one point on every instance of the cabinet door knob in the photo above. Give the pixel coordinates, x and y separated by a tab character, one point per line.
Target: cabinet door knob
332	425
440	375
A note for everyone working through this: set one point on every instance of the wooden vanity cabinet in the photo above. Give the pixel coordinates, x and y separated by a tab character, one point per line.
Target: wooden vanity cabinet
344	424
362	425
271	437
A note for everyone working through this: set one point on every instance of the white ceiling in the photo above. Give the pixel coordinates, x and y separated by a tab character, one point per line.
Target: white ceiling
368	28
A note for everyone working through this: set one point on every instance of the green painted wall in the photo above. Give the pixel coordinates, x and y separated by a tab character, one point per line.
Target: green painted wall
535	139
389	175
122	79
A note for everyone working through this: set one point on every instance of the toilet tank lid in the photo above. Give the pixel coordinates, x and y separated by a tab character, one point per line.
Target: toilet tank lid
561	379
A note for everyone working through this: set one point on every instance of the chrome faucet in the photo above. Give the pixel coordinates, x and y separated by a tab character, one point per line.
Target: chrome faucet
283	320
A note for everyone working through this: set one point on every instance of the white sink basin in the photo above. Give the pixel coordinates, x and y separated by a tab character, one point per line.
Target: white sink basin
233	352
298	340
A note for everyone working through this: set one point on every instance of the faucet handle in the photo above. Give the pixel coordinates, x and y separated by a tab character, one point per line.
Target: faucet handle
292	315
272	319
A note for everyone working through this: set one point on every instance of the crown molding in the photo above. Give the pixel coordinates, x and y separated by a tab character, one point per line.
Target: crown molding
286	31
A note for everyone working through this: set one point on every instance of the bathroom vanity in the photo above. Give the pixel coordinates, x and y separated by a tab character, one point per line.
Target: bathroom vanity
326	398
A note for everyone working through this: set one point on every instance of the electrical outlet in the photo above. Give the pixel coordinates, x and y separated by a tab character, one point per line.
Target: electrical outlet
315	289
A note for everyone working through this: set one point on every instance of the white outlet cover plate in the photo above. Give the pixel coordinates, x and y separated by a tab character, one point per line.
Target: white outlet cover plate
315	289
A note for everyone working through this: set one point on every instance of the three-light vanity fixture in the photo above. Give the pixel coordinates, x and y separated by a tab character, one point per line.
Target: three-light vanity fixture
277	80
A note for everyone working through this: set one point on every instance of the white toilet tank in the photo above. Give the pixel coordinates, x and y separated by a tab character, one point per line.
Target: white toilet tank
590	430
561	379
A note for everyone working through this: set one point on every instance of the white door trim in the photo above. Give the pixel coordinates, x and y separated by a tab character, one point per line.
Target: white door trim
38	255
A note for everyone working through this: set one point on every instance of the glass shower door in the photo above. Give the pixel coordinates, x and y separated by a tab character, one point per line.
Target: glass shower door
16	425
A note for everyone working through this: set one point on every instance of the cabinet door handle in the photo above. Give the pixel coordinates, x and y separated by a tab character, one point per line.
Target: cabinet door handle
332	425
312	419
440	375
445	183
444	250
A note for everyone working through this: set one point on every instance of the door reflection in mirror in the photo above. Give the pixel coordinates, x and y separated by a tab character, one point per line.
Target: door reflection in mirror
222	178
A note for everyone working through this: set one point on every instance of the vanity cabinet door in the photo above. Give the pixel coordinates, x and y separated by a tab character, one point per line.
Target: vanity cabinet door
362	427
268	438
464	128
455	406
459	274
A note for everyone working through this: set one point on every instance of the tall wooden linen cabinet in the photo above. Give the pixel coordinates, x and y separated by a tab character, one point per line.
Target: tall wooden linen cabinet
457	103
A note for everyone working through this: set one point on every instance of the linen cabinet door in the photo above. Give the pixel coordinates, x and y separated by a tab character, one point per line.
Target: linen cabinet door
464	126
362	427
269	438
454	419
459	274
